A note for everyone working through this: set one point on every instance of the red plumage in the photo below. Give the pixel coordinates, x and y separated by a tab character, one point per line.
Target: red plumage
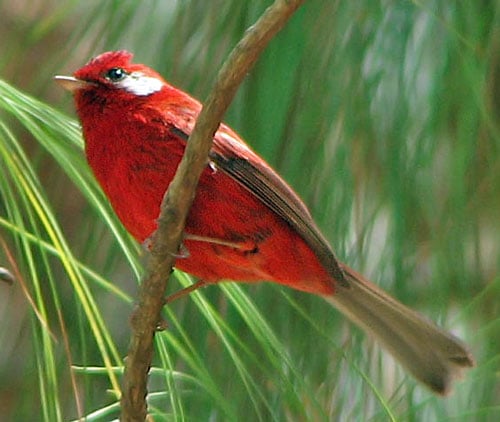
246	223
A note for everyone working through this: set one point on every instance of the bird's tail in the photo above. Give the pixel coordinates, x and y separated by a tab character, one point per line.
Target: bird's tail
432	355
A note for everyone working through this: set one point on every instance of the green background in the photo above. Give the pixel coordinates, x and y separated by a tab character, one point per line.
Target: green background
383	115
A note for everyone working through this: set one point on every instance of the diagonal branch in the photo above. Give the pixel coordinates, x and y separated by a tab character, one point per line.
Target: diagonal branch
178	199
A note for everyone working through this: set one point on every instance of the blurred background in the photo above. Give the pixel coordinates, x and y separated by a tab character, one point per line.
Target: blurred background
383	115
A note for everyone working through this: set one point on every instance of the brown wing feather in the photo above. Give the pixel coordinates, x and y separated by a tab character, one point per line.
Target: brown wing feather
231	156
235	159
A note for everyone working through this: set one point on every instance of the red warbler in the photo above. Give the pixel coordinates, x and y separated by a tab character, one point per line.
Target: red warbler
246	224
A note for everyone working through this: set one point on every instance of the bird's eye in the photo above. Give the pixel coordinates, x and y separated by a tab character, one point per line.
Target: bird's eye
115	74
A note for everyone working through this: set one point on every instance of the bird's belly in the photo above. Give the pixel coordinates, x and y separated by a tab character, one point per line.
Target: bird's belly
250	242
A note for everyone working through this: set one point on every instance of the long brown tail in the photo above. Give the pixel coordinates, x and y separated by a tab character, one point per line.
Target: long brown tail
432	355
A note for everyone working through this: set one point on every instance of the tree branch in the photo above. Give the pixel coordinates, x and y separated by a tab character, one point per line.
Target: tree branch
177	201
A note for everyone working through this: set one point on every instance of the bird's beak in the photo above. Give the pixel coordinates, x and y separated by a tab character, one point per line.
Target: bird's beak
72	84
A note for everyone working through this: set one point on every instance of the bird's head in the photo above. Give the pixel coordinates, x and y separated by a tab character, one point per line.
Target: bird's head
113	72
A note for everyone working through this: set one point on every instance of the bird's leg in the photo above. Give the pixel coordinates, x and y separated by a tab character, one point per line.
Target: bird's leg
214	241
184	253
185	291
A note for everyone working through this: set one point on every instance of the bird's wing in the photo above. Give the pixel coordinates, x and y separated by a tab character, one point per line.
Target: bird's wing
233	157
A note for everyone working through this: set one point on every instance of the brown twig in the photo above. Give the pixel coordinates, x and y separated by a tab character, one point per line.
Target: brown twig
177	201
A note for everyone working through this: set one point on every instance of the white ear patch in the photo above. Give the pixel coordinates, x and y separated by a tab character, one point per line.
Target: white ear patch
139	84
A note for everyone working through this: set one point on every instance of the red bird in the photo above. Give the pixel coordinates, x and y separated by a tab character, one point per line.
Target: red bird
246	224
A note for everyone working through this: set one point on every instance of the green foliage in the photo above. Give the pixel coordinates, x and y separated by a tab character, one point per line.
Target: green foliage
383	115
